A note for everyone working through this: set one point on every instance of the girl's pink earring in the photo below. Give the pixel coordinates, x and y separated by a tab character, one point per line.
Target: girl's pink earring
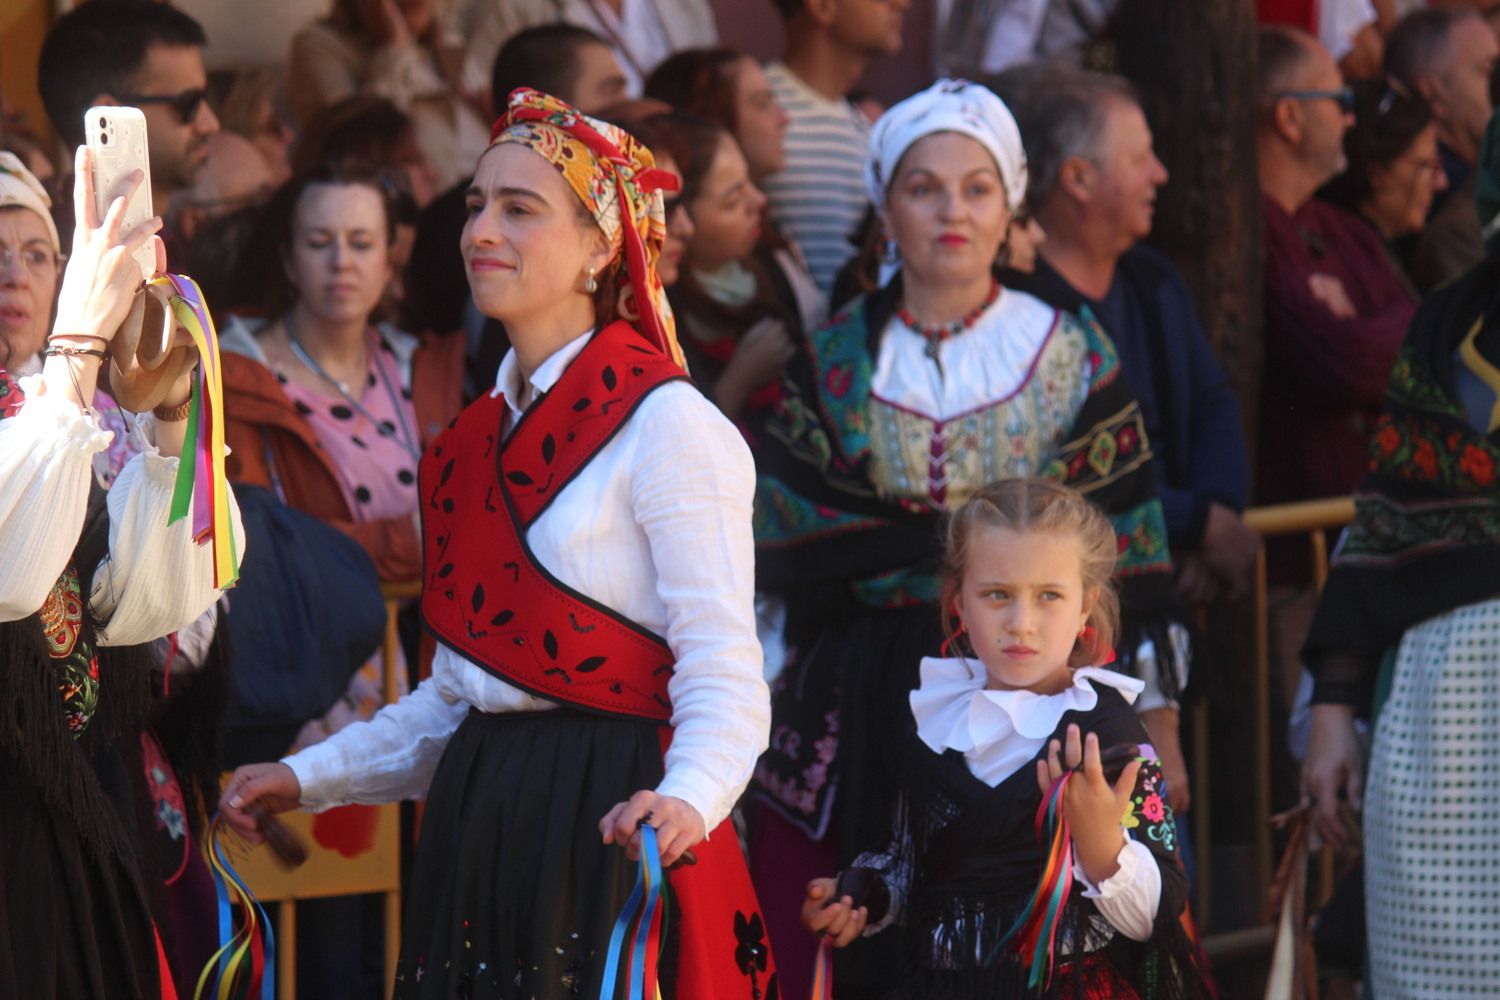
948	642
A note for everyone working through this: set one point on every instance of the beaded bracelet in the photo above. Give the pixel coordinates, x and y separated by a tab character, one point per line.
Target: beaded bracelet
74	352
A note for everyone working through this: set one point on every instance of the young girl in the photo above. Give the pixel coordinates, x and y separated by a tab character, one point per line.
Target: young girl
1030	611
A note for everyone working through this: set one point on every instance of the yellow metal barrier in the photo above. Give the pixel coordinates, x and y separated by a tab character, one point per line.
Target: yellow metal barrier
328	872
1311	518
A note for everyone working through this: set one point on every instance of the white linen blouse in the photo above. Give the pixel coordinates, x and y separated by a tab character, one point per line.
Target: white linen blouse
656	527
155	579
976	369
1000	732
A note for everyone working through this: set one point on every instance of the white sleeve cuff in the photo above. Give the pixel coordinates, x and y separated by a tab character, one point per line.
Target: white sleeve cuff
1124	876
317	769
52	415
1128	899
388	758
697	791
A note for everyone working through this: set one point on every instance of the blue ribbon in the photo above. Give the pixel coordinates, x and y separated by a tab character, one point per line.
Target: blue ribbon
647	890
226	921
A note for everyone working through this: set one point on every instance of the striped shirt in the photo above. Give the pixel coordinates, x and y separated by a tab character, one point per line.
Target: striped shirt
820	197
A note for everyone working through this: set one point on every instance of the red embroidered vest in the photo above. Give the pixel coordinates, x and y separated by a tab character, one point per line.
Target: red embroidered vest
483	592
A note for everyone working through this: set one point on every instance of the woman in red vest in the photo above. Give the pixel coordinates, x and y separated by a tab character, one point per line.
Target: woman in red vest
588	575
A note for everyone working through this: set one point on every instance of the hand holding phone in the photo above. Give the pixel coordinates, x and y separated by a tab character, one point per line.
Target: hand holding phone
102	276
116	138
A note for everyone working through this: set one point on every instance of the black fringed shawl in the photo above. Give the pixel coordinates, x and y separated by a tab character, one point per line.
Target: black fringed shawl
1426	534
965	859
819	519
62	765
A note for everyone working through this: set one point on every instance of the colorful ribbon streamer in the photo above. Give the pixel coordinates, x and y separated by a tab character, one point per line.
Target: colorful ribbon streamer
822	981
1035	931
201	484
643	919
244	967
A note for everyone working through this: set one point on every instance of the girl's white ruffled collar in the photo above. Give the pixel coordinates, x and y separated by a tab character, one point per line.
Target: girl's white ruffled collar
954	711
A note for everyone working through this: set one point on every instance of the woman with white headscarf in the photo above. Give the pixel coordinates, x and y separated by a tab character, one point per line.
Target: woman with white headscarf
29	280
87	582
903	406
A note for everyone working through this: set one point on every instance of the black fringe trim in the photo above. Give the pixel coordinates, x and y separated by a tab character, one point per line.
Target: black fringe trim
33	725
956	927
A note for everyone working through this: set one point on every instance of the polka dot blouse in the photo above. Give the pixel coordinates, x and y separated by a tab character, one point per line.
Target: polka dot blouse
374	446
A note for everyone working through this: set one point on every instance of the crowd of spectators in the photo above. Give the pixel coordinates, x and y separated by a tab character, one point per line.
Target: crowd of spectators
321	204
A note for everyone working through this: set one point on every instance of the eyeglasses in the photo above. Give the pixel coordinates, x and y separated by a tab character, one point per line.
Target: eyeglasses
1343	97
37	260
186	104
1394	88
1425	166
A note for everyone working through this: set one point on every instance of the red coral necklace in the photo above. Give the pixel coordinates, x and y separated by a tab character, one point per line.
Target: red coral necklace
936	333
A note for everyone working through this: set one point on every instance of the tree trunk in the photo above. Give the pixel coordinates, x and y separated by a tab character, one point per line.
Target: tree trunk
1194	64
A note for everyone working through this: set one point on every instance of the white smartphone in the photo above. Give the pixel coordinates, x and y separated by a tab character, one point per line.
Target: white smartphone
116	137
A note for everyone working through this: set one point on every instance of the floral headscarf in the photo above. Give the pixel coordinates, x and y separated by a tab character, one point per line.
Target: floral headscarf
616	178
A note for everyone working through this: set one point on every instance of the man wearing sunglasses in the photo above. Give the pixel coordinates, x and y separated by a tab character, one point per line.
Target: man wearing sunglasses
1335	311
148	56
1335	308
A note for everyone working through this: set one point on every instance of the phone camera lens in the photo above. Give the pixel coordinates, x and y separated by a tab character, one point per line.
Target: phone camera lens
104	138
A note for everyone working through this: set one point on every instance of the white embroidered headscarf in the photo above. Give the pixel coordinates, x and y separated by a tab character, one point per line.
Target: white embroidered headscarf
947	106
19	187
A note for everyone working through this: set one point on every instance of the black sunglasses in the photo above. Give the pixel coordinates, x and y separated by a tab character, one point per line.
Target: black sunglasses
186	104
1343	97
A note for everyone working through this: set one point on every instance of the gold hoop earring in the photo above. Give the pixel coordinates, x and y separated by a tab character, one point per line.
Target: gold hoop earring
590	285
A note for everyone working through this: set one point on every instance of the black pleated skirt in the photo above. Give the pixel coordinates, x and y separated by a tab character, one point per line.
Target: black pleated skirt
74	922
513	893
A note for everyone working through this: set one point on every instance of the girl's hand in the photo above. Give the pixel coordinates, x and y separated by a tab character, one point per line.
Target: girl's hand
836	918
678	825
1093	808
273	786
101	276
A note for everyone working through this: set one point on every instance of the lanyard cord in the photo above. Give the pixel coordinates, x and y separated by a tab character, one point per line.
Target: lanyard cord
407	440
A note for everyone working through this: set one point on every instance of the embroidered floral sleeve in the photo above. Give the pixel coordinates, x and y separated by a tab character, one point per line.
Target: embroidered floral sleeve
1149	819
1131	899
